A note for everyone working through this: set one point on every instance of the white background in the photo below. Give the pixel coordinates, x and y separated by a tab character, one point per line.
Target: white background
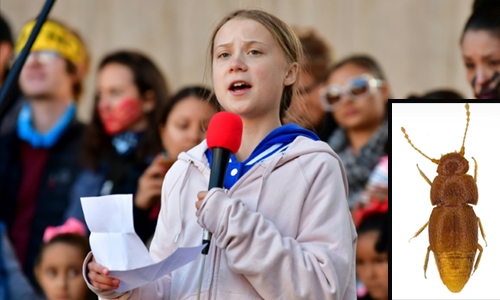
438	129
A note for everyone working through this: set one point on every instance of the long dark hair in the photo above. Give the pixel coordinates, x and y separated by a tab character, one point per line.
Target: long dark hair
147	77
362	60
189	91
379	222
485	16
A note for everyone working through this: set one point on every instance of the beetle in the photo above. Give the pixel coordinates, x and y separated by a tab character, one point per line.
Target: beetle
453	225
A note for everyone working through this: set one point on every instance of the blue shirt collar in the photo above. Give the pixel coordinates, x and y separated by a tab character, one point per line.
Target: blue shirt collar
28	133
276	141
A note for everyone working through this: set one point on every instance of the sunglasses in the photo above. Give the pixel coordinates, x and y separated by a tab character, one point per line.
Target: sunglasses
356	88
43	57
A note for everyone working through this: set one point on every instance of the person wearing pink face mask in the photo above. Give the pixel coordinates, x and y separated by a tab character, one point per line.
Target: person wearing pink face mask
480	47
122	138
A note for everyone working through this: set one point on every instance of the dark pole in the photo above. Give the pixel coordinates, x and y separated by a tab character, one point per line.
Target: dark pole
11	79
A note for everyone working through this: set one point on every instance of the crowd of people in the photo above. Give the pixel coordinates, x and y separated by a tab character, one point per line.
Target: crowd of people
304	211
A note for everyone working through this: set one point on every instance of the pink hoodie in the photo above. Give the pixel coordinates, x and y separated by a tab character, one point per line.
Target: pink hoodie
283	231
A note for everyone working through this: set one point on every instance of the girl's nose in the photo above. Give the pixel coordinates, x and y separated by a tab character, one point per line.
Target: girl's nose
237	63
482	77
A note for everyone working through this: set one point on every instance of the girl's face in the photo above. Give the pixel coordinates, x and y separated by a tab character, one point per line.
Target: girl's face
60	273
119	103
250	69
186	125
481	56
372	267
363	111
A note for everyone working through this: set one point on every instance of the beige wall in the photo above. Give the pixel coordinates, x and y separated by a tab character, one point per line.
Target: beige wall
416	41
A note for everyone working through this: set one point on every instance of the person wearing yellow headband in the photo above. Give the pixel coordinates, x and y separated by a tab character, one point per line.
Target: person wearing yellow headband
39	159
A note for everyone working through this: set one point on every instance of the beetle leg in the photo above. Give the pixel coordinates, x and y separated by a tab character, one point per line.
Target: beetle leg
423	175
478	257
419	231
475	169
482	231
426	260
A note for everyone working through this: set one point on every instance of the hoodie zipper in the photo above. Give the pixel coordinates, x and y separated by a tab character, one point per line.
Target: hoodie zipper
212	289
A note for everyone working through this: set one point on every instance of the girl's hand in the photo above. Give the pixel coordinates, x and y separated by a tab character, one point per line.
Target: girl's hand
201	196
150	183
98	277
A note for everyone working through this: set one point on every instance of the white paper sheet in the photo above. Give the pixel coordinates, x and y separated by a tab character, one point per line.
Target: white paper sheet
115	244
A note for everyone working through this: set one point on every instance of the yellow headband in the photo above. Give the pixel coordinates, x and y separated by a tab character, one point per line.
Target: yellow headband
53	37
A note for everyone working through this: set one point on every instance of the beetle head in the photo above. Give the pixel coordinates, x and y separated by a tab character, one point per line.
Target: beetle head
452	163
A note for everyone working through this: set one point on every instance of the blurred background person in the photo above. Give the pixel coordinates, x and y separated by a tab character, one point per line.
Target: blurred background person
8	122
58	267
372	253
6	48
39	158
13	282
183	124
376	190
356	94
480	45
316	60
122	138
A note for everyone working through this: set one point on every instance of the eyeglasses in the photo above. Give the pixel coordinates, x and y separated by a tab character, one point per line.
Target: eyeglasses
357	88
43	57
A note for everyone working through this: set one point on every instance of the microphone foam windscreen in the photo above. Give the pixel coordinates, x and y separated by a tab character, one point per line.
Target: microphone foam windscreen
224	131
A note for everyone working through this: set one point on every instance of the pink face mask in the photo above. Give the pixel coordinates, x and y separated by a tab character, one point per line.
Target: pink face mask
121	116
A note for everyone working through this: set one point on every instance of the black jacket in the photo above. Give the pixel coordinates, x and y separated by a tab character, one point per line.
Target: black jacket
61	170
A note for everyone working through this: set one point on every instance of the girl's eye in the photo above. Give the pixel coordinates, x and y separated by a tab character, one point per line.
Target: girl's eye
51	273
494	63
254	52
381	260
469	66
224	55
182	126
116	92
72	273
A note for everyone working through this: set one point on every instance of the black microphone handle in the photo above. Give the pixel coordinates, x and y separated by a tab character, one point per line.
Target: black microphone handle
220	160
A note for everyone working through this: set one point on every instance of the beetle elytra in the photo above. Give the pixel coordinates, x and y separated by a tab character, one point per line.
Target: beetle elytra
453	225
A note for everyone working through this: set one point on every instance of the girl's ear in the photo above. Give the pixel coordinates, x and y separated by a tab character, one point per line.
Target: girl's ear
291	74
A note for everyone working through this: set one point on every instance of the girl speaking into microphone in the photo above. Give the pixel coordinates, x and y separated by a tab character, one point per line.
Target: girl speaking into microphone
281	226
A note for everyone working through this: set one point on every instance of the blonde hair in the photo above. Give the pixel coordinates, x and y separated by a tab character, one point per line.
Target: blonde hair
282	33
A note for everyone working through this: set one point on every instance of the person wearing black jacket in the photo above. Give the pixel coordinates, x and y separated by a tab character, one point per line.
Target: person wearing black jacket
39	158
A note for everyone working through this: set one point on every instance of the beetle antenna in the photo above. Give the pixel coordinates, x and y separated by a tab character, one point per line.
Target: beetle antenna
462	150
436	161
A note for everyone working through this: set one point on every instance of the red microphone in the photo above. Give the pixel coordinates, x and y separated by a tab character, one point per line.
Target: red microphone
223	138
